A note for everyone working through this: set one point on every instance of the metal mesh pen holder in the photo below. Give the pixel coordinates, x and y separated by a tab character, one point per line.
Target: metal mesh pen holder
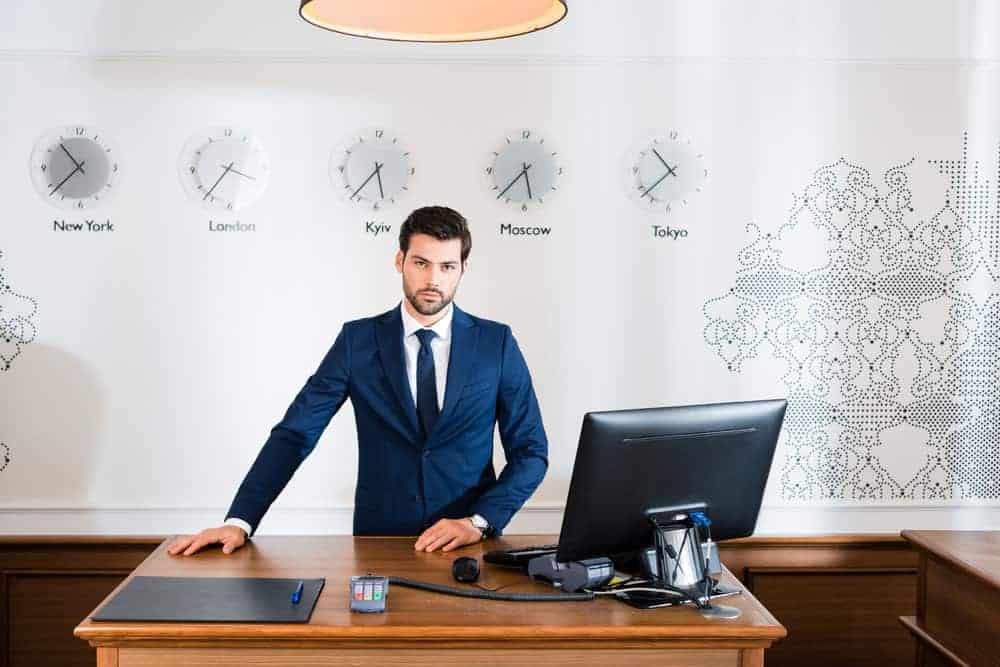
681	562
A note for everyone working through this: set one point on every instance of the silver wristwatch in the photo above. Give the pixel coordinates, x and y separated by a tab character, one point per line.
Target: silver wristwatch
482	524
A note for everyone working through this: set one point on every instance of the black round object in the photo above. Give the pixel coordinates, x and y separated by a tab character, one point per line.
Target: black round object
465	569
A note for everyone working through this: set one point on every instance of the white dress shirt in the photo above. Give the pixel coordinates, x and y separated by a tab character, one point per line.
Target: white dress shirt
440	349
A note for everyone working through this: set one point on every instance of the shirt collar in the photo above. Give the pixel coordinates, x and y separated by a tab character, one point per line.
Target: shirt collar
442	327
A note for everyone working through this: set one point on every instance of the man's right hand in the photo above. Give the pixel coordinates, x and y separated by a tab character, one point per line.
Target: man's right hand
231	538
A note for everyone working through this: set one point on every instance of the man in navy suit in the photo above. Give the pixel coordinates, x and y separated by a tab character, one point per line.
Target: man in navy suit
428	383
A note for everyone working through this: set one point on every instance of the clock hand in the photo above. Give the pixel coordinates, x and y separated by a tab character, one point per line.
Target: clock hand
236	171
660	158
524	172
72	159
79	167
218	180
650	188
374	171
378	174
671	171
526	181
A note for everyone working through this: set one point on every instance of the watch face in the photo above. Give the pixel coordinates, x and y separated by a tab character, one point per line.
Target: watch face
524	171
665	172
74	167
223	169
372	169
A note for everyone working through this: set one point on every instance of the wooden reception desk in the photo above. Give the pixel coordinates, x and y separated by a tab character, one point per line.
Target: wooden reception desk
422	628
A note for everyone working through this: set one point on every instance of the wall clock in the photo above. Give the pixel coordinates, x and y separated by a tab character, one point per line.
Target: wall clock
372	169
665	172
223	169
74	167
524	170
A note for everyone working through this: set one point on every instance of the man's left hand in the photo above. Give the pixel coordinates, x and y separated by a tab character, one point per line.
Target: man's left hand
448	534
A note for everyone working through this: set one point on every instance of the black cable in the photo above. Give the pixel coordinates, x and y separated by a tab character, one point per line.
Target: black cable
486	595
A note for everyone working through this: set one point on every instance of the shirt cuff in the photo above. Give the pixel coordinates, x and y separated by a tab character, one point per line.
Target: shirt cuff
239	523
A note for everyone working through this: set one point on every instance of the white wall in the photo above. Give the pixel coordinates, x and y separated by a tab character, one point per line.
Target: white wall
164	352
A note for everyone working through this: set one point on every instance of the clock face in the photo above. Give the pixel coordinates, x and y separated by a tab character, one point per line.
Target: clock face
74	167
223	169
372	169
665	173
524	170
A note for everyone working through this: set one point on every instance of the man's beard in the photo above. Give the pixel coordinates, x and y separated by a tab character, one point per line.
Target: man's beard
428	309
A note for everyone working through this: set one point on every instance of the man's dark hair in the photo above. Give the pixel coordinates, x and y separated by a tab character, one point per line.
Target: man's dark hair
441	222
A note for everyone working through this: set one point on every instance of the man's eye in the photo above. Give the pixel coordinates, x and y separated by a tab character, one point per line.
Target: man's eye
448	267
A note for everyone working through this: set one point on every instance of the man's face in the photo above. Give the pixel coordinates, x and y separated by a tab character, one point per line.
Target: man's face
431	272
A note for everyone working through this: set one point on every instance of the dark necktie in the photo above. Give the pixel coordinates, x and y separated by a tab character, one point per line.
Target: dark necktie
427	399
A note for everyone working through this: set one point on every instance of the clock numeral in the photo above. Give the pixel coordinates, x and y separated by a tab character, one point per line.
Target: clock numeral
44	167
375	206
229	206
114	168
635	170
79	204
228	132
489	171
668	209
378	134
191	169
524	207
525	134
560	171
78	131
412	171
673	134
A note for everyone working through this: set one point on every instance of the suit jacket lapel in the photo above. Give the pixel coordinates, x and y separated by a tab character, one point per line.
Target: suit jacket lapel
389	332
461	360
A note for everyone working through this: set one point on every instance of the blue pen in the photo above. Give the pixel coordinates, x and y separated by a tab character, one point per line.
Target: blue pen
297	593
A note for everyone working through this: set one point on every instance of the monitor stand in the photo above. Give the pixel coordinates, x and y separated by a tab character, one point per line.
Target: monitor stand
673	554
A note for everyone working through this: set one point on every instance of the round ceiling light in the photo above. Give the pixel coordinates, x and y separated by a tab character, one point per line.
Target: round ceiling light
433	20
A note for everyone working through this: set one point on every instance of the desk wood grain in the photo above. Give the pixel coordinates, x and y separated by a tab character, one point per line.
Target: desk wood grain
425	626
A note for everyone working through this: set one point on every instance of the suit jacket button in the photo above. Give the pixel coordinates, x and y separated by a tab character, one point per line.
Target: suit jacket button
418	497
427	453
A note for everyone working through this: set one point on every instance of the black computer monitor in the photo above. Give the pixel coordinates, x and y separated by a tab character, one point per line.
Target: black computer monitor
630	463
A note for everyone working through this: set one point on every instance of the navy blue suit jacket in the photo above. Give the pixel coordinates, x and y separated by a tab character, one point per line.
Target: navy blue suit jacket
406	482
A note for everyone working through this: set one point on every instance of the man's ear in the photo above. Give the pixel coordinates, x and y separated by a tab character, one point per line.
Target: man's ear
399	261
465	266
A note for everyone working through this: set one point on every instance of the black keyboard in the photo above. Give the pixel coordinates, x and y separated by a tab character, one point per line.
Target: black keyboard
520	556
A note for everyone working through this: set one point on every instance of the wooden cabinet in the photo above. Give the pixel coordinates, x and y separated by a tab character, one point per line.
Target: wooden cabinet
958	598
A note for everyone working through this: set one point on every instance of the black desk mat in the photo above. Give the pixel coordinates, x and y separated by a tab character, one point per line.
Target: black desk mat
212	599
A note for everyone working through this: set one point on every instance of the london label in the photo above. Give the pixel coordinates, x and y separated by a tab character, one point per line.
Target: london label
234	226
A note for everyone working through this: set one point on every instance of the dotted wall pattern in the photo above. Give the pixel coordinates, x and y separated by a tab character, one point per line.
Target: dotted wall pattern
888	340
17	327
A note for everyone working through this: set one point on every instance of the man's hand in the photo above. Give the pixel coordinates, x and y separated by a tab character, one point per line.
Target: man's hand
231	537
448	534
